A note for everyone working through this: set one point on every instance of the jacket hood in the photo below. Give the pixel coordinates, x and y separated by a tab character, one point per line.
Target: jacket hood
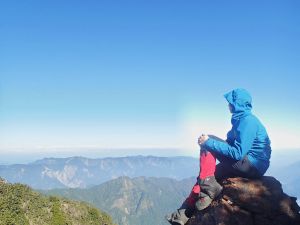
241	102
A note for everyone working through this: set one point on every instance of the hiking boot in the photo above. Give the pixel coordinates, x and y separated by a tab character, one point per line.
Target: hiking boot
178	217
210	186
203	201
181	215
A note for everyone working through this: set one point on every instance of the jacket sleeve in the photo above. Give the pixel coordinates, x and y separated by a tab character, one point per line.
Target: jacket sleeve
230	137
246	133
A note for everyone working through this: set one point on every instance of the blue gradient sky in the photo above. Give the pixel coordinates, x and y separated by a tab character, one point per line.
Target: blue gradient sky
135	74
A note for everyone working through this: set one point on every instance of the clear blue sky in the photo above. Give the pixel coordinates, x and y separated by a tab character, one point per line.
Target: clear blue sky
123	74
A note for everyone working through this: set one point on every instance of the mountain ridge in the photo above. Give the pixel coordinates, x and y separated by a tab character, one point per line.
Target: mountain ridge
20	205
73	172
139	200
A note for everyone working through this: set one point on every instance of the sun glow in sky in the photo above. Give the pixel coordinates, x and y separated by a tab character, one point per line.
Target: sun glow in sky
144	74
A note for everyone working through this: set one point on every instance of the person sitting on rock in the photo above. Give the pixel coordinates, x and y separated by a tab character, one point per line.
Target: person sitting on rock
245	153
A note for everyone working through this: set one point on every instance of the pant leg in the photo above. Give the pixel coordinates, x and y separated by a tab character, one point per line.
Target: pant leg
241	168
224	170
193	197
207	164
207	168
244	168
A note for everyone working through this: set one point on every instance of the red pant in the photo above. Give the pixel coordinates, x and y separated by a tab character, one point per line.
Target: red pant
207	168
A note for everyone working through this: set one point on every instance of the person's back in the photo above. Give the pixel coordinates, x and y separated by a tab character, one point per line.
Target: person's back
260	152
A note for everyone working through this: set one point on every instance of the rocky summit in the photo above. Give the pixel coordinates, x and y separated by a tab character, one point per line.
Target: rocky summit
250	202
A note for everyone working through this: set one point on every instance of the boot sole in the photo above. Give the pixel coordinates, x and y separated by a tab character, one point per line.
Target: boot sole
174	223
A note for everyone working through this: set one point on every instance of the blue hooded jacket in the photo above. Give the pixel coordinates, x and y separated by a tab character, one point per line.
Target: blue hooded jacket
247	137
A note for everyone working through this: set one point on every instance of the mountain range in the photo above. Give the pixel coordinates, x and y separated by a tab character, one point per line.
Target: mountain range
134	190
133	201
285	166
80	172
289	177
